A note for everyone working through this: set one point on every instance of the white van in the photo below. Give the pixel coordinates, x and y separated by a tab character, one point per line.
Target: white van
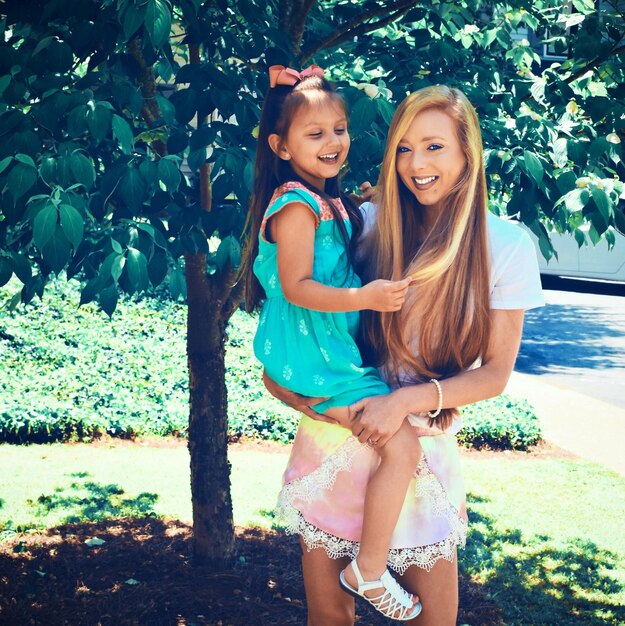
592	262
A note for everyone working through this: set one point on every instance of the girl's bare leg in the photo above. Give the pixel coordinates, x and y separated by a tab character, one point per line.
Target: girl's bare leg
328	604
439	590
386	493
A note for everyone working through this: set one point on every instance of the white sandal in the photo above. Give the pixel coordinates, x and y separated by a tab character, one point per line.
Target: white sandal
394	602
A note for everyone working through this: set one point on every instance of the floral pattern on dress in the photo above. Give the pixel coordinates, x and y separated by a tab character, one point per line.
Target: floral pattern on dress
287	372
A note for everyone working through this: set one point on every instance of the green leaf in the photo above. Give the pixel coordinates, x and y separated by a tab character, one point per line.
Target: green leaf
157	268
123	133
168	110
196	159
229	251
186	103
5	163
169	173
47	170
132	188
363	115
77	121
99	121
44	225
248	176
82	169
202	137
177	284
21	267
533	166
20	179
57	250
25	159
72	224
387	110
560	155
137	269
602	201
576	199
108	299
5	81
59	56
6	271
132	18
579	237
157	22
112	266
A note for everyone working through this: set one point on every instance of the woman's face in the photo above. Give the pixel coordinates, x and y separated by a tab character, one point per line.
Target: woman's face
430	159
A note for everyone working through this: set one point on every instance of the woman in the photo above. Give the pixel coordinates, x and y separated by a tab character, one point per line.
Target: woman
475	275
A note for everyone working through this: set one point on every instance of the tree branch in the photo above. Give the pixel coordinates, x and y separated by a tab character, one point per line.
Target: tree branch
234	297
206	196
147	81
594	63
360	26
298	24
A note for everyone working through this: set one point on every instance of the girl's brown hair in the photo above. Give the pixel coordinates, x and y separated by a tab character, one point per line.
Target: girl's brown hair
270	171
450	264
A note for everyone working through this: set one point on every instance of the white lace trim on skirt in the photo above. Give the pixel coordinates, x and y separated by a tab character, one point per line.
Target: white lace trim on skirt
310	486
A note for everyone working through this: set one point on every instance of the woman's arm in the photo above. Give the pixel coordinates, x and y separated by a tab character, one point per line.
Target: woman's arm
293	230
379	417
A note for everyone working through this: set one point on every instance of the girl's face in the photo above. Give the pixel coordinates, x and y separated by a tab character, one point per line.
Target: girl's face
317	141
430	159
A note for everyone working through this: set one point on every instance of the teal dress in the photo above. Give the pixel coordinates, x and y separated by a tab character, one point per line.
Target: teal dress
312	352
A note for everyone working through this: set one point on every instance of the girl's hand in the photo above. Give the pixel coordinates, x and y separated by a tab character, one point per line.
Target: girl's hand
295	400
367	193
377	418
385	295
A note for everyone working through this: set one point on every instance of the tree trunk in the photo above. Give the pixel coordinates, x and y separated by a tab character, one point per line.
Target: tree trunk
213	529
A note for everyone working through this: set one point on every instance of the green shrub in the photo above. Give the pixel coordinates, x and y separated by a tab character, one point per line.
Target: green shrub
71	373
500	423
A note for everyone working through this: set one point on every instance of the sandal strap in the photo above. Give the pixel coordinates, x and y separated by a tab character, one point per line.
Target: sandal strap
394	601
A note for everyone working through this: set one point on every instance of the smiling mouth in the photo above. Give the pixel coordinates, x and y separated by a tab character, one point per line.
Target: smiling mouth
424	183
329	158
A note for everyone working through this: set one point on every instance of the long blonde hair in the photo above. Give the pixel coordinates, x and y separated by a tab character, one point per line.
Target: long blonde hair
450	264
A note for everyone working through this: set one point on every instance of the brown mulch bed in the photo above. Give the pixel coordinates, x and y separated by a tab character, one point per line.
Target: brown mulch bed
54	578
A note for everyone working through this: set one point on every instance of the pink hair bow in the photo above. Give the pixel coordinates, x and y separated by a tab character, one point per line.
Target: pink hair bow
280	75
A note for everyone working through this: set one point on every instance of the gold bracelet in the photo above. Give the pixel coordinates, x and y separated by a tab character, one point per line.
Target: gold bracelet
440	399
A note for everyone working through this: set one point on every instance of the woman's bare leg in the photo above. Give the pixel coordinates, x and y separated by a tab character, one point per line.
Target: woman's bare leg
328	604
439	590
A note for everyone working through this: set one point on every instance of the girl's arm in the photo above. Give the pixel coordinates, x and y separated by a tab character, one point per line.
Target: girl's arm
379	417
293	230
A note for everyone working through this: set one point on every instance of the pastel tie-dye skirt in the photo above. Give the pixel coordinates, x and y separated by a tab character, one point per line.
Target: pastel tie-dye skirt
324	491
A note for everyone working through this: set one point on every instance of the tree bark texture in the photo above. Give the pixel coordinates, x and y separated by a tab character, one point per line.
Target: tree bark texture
213	529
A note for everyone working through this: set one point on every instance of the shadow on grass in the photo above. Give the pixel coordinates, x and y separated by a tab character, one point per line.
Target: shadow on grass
542	579
88	500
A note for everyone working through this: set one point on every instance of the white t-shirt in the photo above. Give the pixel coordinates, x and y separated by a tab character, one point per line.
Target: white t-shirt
514	274
514	284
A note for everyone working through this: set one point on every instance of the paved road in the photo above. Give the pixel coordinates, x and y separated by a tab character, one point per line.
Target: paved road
577	341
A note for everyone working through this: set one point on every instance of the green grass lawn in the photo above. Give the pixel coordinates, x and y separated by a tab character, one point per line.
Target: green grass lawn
546	534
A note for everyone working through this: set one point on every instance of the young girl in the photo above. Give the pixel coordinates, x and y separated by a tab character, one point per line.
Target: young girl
299	261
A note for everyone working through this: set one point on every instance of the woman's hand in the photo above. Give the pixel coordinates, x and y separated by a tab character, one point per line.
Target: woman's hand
377	418
295	400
